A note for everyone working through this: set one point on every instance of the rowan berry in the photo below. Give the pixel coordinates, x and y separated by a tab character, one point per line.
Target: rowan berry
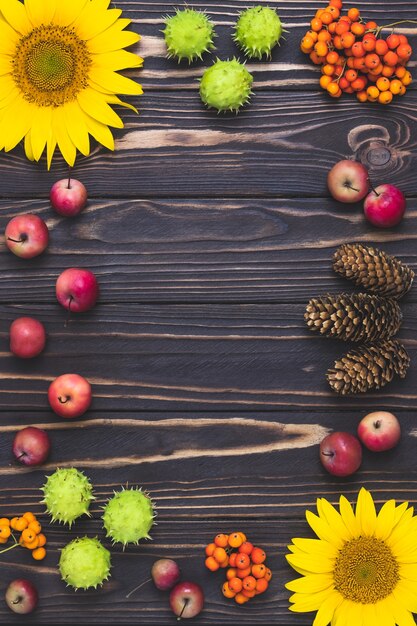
210	548
261	585
316	24
335	11
353	14
385	97
242	573
358	50
232	559
324	35
406	79
240	598
347	39
400	72
231	573
31	545
390	58
220	555
242	560
321	48
41	540
5	532
359	83
4	521
35	526
404	51
351	75
388	71
359	64
332	57
235	584
221	540
395	86
333	88
3	540
212	564
371	25
258	555
393	41
226	591
28	535
372	91
402	91
244	538
336	3
235	539
344	83
328	69
368	42
258	570
403	38
249	583
20	524
383	83
358	29
326	18
249	593
381	47
342	27
307	43
246	547
29	516
13	523
268	574
372	60
39	554
324	81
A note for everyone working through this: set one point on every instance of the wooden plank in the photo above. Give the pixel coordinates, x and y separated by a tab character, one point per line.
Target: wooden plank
256	250
225	357
278	146
206	465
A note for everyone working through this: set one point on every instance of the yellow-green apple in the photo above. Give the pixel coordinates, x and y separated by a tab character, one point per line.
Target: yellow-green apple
70	395
27	337
68	197
31	446
21	596
77	289
348	181
186	599
341	453
379	431
384	206
26	235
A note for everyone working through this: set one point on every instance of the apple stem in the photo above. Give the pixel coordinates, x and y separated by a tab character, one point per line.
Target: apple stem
377	424
69	312
69	178
349	185
138	587
18	600
23	238
67	398
186	601
373	188
328	453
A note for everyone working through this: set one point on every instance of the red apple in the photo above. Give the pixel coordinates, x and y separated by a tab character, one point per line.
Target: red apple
384	206
27	337
26	235
379	431
21	596
348	181
165	574
77	289
186	599
69	395
341	453
68	197
31	446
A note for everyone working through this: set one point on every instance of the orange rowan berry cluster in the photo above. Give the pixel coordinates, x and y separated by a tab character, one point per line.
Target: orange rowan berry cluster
31	536
247	574
354	58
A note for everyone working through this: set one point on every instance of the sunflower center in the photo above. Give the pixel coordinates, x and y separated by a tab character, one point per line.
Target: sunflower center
51	65
365	570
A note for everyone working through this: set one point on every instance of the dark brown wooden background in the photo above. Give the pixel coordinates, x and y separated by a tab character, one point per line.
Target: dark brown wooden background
208	233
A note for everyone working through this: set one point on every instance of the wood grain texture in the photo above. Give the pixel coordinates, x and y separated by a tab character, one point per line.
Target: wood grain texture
173	250
209	234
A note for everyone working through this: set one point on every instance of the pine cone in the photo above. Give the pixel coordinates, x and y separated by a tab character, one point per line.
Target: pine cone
355	317
373	269
369	367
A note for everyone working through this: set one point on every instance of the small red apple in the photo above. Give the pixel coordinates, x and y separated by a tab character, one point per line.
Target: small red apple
70	395
341	453
77	289
21	596
186	599
26	235
379	431
27	337
68	197
348	181
165	574
31	446
385	206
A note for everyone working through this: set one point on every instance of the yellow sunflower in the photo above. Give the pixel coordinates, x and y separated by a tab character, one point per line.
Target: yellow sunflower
362	569
59	63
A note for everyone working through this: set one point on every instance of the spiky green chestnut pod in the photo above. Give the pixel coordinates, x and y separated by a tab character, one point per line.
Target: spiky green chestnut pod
128	516
258	30
84	563
188	34
226	85
67	495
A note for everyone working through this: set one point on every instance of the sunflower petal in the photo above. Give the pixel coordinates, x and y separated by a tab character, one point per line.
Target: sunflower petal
95	106
310	563
66	12
8	38
14	12
64	142
348	516
327	608
117	60
311	583
385	520
16	123
91	22
28	147
41	126
113	38
115	82
309	602
365	512
322	529
76	127
5	65
334	519
100	132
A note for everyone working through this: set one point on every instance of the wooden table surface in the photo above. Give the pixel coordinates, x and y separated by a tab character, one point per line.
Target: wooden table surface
208	234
